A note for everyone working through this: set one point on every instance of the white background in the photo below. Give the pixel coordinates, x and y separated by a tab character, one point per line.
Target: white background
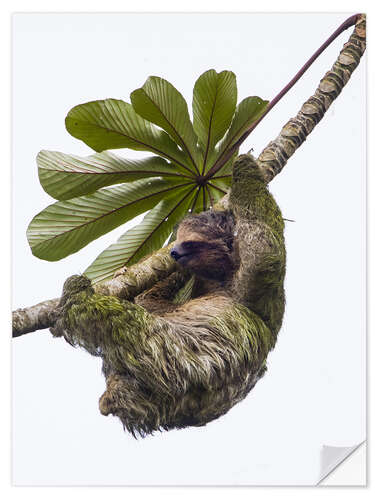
314	392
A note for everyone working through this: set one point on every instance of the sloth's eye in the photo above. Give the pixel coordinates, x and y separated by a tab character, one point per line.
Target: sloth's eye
191	245
188	245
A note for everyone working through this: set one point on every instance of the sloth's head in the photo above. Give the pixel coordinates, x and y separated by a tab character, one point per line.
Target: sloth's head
204	245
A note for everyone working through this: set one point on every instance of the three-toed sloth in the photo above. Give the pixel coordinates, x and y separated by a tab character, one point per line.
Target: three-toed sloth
172	365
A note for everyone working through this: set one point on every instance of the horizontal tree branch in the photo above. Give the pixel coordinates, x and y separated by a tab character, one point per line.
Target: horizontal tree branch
127	285
33	318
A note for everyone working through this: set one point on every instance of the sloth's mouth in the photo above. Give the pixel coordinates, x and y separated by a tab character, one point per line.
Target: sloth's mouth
177	256
182	259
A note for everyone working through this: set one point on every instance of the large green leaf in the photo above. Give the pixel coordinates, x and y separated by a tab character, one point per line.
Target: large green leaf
144	238
67	176
214	103
159	102
164	184
66	226
112	124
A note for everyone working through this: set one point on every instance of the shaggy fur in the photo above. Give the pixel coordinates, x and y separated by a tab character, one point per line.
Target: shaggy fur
171	365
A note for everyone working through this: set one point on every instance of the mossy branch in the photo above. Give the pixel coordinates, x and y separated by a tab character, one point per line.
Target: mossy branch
136	279
273	158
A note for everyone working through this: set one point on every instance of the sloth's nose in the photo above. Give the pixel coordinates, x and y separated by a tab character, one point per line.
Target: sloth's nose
174	254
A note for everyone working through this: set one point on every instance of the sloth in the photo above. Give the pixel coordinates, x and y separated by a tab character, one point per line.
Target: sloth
170	363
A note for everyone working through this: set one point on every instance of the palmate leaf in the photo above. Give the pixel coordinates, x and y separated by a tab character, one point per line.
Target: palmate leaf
214	103
177	180
160	102
66	226
113	124
67	176
144	238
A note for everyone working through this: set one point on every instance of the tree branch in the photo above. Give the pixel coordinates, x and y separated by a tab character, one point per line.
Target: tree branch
33	318
273	158
135	280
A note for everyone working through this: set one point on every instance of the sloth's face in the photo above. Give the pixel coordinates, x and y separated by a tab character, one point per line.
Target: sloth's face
210	259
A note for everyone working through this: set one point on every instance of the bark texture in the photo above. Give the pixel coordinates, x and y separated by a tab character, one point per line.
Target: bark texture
33	318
